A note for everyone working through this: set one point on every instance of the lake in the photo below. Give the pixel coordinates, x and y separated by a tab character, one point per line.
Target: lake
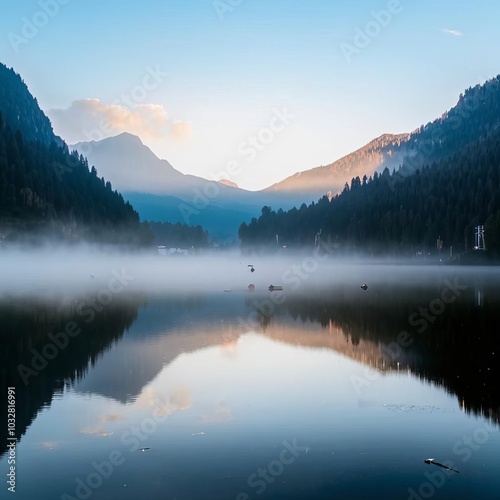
175	381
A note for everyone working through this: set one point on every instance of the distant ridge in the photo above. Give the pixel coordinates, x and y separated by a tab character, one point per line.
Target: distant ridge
476	114
229	183
384	151
448	184
161	193
131	165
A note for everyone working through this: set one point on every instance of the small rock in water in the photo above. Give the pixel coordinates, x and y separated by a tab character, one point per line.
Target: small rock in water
364	286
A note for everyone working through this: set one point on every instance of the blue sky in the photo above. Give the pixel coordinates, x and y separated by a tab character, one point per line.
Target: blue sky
222	69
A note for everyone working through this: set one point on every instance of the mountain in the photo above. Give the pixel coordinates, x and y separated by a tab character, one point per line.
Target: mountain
227	182
448	183
45	190
21	111
433	210
476	114
161	193
385	151
133	167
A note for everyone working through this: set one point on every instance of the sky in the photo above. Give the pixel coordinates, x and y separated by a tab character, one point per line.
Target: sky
274	87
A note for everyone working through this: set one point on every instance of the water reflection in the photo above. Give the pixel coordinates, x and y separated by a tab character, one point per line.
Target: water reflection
212	385
454	345
37	372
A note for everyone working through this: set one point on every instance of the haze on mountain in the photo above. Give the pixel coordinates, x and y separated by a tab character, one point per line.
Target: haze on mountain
47	192
384	151
475	113
34	194
133	167
448	184
161	193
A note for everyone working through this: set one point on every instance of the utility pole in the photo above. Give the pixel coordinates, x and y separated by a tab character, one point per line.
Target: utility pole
479	243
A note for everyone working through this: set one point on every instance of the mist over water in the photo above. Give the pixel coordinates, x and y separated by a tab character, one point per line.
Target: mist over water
366	381
77	270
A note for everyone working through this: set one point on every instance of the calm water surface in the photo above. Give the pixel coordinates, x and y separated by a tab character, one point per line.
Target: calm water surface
316	392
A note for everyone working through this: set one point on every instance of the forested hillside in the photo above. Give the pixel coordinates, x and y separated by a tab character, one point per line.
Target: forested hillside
21	111
396	213
473	118
45	190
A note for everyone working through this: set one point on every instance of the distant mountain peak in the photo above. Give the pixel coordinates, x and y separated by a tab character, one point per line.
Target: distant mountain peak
124	138
127	136
229	183
378	153
130	164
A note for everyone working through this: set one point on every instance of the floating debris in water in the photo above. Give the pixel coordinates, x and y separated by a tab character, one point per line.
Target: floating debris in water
252	269
433	462
272	288
144	449
364	286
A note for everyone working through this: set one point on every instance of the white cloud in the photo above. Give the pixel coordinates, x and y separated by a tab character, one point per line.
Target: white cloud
449	31
91	119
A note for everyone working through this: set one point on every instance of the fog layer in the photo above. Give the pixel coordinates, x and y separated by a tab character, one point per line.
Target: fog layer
82	269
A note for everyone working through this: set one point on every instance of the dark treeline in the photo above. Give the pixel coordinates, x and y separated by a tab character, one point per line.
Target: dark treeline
396	213
25	330
474	117
47	190
456	349
179	235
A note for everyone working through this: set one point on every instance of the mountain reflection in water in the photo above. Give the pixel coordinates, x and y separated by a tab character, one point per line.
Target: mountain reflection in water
256	363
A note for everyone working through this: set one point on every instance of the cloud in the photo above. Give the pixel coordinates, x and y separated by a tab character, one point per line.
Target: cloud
179	399
449	31
97	429
181	130
91	119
